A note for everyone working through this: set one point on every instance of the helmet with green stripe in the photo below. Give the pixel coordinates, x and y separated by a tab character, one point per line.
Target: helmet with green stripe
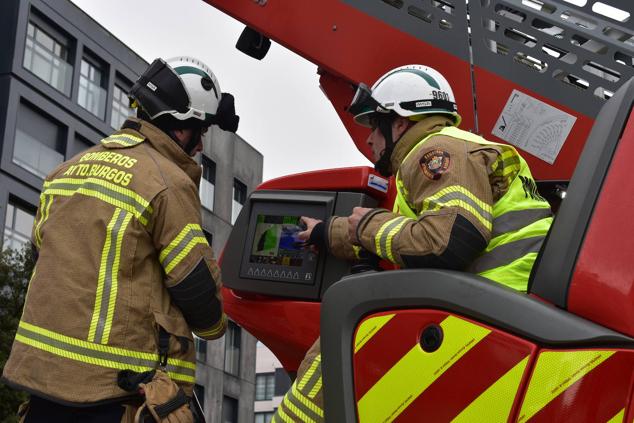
185	90
201	85
411	91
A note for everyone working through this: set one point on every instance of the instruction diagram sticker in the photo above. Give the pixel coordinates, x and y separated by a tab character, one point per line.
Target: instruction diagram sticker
534	126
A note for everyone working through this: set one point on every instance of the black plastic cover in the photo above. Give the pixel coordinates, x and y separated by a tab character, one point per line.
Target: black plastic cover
555	265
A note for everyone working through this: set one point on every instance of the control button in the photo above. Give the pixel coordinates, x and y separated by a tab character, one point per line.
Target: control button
308	276
295	275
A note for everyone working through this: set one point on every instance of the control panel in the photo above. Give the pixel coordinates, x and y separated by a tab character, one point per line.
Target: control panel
264	254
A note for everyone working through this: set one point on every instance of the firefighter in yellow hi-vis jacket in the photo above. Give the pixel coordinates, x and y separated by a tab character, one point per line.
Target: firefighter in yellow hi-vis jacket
462	202
124	272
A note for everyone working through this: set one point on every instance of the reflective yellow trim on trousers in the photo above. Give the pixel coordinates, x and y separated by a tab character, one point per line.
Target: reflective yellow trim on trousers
417	370
368	329
554	373
495	403
105	191
311	370
100	355
190	236
283	416
308	403
294	400
287	403
618	418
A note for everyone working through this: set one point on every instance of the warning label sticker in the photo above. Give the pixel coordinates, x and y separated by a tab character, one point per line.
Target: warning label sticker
533	126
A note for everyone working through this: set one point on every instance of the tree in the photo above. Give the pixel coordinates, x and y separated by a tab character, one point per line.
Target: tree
15	271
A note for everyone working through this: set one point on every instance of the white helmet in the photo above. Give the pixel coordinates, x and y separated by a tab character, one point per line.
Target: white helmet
411	90
201	86
185	89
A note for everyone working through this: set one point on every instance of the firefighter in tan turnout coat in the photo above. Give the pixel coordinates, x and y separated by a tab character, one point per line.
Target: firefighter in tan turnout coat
462	203
124	272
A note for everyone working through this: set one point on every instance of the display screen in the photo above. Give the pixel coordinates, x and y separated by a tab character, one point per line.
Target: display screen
276	241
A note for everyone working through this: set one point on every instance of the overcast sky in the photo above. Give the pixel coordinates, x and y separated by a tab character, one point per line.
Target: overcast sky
283	113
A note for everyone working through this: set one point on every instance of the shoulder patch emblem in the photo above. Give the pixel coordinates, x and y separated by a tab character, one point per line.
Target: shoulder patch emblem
434	163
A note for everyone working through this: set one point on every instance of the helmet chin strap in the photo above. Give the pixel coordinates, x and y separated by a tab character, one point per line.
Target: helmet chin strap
383	164
193	142
190	145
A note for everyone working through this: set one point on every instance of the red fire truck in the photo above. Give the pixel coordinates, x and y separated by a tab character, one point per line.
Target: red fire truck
548	76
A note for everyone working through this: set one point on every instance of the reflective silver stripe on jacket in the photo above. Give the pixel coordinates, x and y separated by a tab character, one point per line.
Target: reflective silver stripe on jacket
506	253
517	219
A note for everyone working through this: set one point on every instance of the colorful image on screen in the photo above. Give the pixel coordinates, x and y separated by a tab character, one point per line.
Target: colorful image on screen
276	241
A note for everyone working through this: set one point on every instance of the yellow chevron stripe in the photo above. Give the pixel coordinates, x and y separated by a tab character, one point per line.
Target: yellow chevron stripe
417	370
618	418
283	416
311	370
313	392
555	372
307	402
368	328
286	403
495	403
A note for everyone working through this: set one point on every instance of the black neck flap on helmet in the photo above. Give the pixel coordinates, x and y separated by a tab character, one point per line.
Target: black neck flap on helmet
364	102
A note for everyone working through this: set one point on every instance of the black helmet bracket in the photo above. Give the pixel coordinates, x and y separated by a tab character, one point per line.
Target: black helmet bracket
364	102
160	89
383	165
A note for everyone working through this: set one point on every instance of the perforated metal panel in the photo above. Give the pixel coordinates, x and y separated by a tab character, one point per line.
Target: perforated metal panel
572	51
441	23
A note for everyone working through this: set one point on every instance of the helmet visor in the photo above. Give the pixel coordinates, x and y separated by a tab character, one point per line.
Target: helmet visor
363	102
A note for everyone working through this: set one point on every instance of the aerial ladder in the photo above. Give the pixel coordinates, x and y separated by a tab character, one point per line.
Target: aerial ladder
551	77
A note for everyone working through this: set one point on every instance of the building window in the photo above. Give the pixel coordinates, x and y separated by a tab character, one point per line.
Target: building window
199	390
17	226
232	349
282	382
264	386
92	80
263	417
239	198
121	109
201	349
79	145
39	142
208	183
229	410
46	56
